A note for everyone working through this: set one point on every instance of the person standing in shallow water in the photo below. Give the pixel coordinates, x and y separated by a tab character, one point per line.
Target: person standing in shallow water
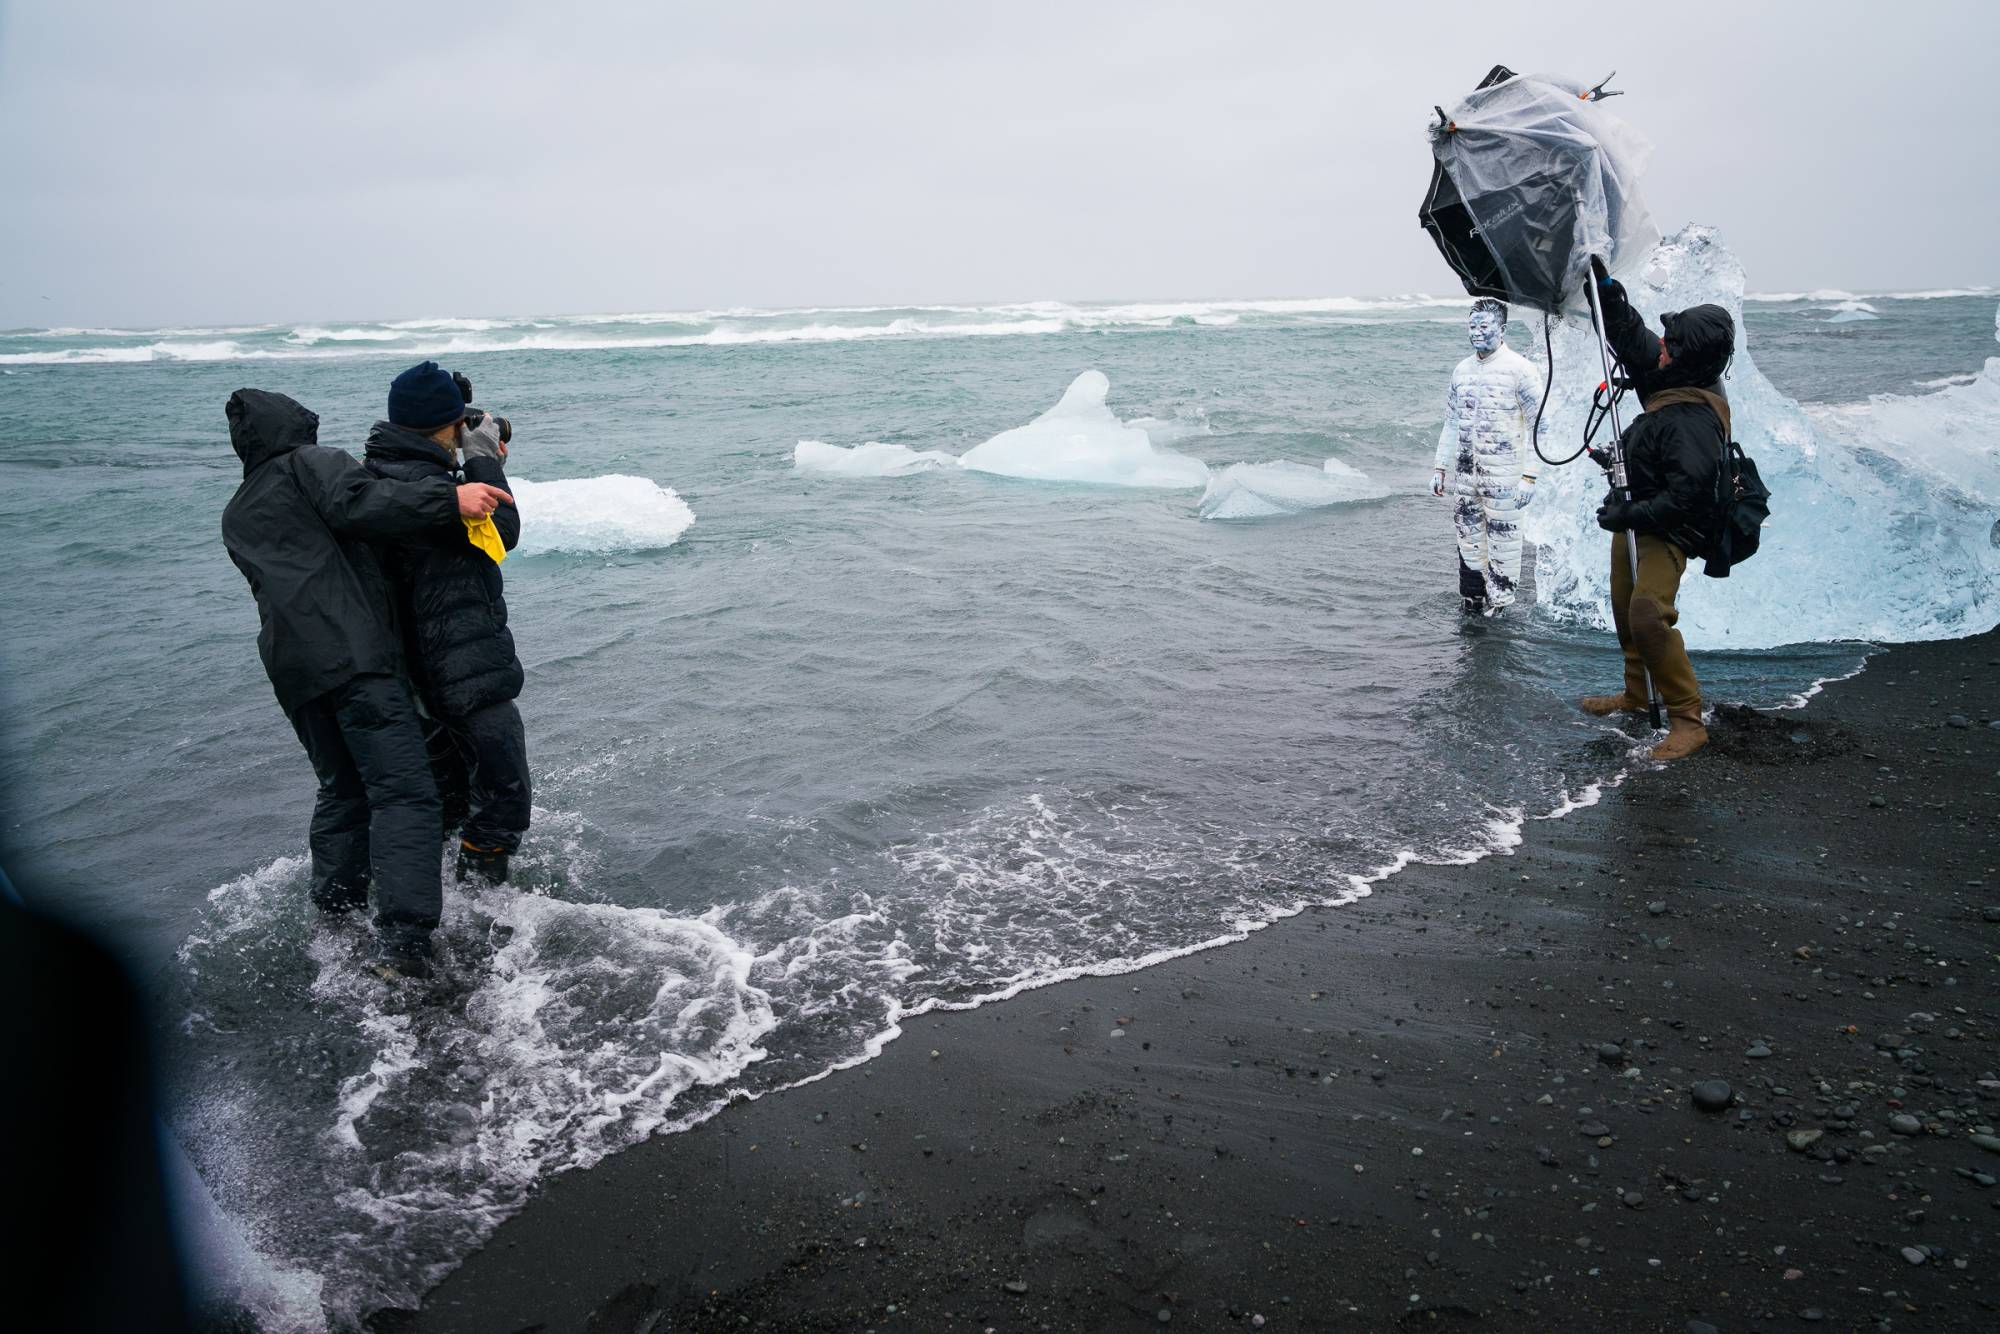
299	528
1673	458
449	599
1481	458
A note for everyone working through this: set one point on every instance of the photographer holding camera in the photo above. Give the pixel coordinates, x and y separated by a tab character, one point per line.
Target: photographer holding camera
449	602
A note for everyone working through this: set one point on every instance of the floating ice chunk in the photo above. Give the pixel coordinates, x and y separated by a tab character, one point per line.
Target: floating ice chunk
1080	440
1847	312
1882	513
610	513
870	460
1261	490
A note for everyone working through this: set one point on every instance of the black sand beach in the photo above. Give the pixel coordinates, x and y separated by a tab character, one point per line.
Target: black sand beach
1462	1102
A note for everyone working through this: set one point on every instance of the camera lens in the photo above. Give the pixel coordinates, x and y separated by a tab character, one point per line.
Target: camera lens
506	429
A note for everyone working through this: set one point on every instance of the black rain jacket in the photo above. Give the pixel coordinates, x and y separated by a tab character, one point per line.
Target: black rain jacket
299	526
448	593
1674	450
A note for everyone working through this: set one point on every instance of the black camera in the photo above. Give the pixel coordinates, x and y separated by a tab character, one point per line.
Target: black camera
474	418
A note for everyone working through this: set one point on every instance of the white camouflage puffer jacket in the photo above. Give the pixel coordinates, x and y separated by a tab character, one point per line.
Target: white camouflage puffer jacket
1488	411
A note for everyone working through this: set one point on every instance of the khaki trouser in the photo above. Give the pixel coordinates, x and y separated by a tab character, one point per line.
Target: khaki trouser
1645	615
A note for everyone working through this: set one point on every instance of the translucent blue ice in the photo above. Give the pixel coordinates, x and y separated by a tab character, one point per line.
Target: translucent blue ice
1882	512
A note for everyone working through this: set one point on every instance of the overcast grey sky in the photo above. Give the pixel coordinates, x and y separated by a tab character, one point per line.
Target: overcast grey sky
170	163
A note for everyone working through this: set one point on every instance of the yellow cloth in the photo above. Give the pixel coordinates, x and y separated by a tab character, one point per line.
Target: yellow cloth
482	534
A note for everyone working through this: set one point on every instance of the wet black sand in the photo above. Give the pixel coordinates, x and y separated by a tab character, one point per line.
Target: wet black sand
1463	1102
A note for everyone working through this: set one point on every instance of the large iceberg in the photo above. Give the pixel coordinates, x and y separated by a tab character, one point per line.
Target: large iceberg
873	459
598	514
1263	490
1882	513
1081	440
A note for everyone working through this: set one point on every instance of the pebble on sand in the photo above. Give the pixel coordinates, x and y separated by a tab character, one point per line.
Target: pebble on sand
1712	1095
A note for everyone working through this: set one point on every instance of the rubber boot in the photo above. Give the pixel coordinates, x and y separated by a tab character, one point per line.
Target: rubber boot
486	864
401	953
1604	705
1685	734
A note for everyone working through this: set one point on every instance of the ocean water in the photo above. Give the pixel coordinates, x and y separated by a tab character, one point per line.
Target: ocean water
823	738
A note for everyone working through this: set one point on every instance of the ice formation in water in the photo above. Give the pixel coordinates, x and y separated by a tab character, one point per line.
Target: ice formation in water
598	514
1882	513
873	459
1848	312
1261	490
1080	440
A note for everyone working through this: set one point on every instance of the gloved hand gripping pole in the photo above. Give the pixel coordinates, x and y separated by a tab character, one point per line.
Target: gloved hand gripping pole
1621	480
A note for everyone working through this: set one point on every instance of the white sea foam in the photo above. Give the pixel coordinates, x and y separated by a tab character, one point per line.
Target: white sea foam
1836	294
873	459
1080	440
611	513
218	350
736	327
1882	513
1262	490
452	324
578	1029
313	333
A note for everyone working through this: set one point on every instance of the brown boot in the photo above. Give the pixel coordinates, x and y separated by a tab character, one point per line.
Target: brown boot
1685	735
1605	705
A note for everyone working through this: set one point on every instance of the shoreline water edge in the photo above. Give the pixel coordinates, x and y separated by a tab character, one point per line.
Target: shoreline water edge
1475	1093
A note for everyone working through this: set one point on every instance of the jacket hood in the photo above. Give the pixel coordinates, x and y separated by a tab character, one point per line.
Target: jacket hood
1701	340
264	425
386	440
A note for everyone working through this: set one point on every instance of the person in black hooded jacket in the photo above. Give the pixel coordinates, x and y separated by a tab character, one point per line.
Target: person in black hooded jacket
299	528
1674	453
449	598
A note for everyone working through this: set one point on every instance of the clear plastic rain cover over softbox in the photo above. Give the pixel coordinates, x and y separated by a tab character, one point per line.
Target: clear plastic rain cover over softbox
1532	180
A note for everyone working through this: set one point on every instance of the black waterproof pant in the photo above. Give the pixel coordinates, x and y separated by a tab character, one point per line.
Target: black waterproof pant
377	818
480	762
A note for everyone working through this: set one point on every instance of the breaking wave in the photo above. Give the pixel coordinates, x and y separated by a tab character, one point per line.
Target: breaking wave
1837	294
456	336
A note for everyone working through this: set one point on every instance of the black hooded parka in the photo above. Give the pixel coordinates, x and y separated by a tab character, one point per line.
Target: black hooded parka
1674	450
299	529
448	592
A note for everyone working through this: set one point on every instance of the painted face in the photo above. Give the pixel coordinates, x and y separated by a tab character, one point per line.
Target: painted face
1485	330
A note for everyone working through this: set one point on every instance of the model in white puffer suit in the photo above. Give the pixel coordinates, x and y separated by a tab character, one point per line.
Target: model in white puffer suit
1489	410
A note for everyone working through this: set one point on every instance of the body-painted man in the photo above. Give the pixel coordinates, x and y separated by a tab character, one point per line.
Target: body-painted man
1482	458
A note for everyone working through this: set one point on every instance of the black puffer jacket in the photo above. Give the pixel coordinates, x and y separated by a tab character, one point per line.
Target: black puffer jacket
1674	450
448	593
299	528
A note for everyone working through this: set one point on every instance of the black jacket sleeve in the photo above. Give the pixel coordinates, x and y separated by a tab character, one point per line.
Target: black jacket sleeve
1636	347
356	503
506	517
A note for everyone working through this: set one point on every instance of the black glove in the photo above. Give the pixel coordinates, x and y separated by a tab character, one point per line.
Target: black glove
1616	515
